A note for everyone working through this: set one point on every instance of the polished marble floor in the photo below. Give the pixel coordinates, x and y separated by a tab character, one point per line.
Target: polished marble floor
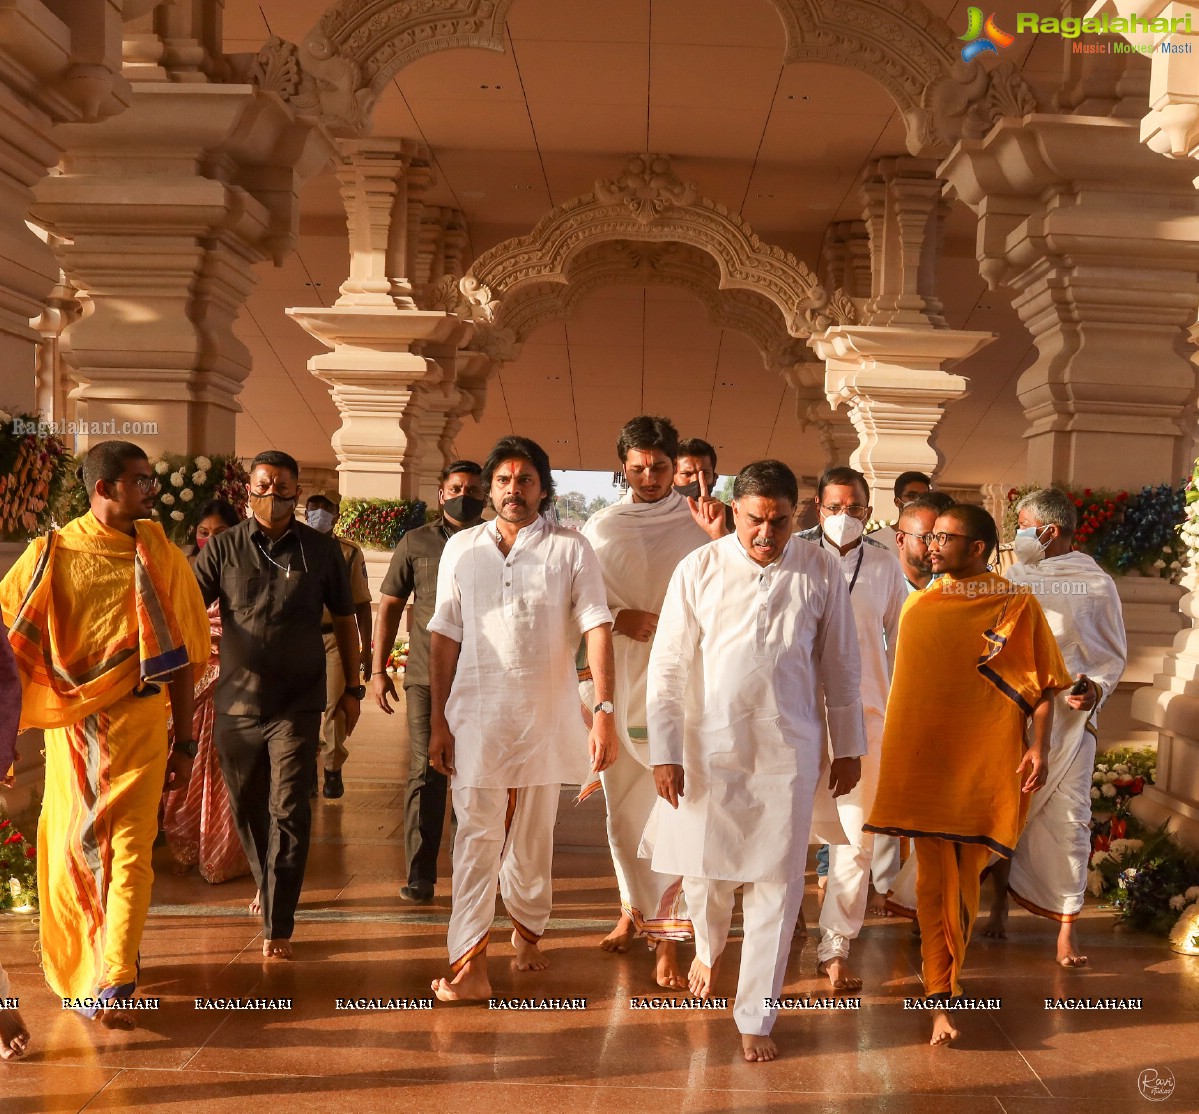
355	939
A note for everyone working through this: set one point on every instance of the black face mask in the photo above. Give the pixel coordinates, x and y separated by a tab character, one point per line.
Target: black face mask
688	491
463	508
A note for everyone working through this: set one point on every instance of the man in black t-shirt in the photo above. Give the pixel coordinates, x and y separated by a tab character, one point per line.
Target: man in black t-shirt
413	574
274	576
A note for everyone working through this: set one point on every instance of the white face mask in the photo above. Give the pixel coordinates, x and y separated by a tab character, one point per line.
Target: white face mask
321	520
841	529
1027	546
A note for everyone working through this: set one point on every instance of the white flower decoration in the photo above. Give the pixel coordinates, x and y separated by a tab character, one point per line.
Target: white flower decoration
1095	882
167	498
1101	769
1178	903
1193	894
1095	794
177	516
1097	778
203	463
200	477
187	495
161	467
176	479
1108	790
1121	768
1159	564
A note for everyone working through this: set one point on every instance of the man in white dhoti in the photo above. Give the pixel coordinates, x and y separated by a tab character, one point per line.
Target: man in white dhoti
14	1037
514	596
1048	872
639	541
876	592
755	628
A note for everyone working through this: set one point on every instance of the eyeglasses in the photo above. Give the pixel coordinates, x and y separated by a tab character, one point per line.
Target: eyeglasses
854	510
941	539
144	484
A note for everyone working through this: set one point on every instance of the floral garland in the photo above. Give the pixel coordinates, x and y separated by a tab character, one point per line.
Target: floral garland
379	523
35	468
188	482
1125	533
1188	530
1142	873
397	660
18	869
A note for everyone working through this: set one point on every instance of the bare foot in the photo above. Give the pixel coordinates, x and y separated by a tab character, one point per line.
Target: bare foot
529	957
14	1037
758	1049
255	905
114	1019
471	984
839	974
618	940
943	1031
276	949
701	977
996	926
667	972
877	905
1067	947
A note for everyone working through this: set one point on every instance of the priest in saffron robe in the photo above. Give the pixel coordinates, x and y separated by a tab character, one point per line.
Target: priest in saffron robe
976	659
104	615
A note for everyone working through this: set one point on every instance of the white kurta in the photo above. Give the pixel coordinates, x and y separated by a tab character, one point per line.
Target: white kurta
513	707
877	597
1049	868
638	546
738	662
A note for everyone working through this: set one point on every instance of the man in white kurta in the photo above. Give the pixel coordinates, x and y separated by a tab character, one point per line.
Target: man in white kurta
876	592
638	542
754	628
1048	872
514	596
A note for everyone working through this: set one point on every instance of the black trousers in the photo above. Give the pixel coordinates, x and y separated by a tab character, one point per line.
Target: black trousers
424	800
268	766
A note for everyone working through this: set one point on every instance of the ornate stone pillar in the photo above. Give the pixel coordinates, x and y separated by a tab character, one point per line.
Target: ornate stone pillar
892	371
386	387
1099	238
1171	127
162	213
58	62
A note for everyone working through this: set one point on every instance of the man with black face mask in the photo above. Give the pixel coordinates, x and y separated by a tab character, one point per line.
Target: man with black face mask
413	574
274	576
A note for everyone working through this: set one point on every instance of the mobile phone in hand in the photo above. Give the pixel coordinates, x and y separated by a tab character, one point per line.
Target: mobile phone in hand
1080	686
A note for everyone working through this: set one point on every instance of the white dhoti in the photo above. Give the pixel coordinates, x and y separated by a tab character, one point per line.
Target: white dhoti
653	901
1049	869
504	836
901	898
769	911
848	884
885	863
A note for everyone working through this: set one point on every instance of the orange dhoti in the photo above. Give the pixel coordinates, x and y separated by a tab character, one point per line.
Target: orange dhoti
948	882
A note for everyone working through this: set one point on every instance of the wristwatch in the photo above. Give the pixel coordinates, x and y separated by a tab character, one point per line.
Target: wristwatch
358	692
186	746
603	706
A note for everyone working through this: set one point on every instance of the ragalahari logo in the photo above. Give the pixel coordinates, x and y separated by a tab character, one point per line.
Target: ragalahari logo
983	35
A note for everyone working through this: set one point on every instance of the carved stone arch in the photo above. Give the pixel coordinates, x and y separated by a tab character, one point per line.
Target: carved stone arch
359	45
679	266
649	203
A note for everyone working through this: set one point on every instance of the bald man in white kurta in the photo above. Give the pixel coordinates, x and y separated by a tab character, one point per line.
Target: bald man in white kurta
740	657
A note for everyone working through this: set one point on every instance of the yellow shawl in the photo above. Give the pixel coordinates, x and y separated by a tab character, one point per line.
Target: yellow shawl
973	658
93	613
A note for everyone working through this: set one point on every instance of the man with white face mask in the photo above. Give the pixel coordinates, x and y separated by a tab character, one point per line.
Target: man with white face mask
877	591
1048	872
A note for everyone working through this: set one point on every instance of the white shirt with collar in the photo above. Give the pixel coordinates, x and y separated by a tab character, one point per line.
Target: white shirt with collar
513	706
